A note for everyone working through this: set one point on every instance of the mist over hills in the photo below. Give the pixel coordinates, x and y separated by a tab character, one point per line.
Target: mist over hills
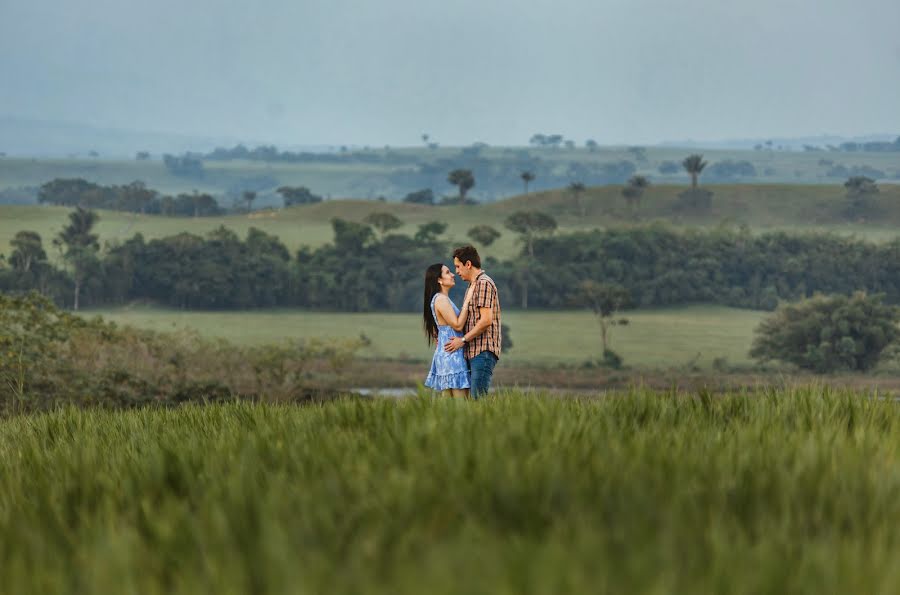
28	137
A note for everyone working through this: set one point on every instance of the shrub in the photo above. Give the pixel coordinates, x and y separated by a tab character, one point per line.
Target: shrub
827	334
49	356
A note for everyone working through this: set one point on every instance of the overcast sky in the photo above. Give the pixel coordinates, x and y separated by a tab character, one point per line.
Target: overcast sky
307	72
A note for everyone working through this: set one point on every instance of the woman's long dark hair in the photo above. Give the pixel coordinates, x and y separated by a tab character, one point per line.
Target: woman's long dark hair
432	275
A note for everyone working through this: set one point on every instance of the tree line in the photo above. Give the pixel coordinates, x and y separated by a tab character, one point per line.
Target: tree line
370	267
137	198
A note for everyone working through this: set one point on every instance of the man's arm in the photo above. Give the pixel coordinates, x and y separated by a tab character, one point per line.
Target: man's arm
484	322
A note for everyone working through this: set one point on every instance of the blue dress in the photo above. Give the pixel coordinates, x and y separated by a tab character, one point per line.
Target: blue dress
448	370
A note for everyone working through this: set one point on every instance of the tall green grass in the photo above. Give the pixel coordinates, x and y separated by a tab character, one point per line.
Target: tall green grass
795	490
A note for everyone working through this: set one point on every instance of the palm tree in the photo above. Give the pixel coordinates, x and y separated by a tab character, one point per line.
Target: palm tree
694	165
527	178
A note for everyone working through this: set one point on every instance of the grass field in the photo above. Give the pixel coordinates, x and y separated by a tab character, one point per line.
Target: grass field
792	491
762	207
654	338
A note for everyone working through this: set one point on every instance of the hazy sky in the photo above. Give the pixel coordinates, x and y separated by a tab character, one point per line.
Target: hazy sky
377	72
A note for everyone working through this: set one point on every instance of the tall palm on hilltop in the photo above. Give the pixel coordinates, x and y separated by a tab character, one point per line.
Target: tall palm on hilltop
694	165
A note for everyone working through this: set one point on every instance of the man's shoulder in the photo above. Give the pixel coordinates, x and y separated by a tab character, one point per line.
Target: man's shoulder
485	278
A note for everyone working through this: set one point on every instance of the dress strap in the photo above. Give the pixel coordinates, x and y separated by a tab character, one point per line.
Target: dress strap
433	314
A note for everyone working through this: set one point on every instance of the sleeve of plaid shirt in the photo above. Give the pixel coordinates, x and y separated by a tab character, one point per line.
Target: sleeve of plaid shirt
484	295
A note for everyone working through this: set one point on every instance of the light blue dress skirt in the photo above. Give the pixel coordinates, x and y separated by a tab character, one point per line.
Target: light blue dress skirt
448	370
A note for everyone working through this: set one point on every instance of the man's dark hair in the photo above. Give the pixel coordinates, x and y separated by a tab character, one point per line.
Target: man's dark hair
468	253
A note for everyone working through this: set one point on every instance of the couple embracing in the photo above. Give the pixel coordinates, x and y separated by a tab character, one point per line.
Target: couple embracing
468	339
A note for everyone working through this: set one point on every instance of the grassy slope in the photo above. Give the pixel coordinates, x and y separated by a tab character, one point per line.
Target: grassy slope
654	339
773	492
760	206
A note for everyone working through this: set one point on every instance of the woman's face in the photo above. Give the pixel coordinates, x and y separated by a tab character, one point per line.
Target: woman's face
447	279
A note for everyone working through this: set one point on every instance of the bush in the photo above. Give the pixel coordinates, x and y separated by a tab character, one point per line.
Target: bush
828	334
611	359
49	356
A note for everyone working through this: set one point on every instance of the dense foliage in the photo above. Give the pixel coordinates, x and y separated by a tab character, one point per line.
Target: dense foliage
134	197
362	271
827	334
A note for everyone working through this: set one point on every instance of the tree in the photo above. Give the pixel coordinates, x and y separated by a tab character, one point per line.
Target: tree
591	145
249	196
640	154
694	164
420	197
67	192
483	234
80	246
297	195
27	250
464	180
577	188
185	166
527	178
634	190
827	334
530	225
135	197
860	192
351	237
383	222
605	301
429	232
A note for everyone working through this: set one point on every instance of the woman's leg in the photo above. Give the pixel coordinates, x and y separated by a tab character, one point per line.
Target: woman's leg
460	393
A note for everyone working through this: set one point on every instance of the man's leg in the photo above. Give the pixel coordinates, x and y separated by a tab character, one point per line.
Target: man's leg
482	368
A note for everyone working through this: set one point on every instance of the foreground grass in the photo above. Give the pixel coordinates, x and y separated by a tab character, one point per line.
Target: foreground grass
790	491
662	337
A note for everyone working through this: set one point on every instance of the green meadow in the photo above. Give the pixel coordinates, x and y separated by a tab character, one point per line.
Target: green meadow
761	207
652	339
778	491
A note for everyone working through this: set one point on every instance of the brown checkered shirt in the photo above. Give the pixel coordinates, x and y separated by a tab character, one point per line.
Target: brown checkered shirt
485	296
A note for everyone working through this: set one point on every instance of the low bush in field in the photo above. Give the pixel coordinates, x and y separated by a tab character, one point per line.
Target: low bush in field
792	491
50	356
829	334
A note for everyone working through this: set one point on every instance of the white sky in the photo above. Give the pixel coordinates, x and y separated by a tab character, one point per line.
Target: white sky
305	72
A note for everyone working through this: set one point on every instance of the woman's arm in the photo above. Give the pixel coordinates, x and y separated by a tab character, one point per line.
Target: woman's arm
464	311
442	306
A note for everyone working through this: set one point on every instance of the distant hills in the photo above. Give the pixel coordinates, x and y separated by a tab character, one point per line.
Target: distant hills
30	137
792	142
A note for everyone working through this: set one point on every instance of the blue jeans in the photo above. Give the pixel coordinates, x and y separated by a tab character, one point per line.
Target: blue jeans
481	368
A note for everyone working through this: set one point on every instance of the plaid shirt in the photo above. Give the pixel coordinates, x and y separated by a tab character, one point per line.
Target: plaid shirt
485	296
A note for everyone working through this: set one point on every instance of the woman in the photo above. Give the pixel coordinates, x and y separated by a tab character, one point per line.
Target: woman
449	373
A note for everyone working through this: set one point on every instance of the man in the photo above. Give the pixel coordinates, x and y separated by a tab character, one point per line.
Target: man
482	331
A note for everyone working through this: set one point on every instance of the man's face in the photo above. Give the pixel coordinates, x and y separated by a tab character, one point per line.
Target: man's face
463	270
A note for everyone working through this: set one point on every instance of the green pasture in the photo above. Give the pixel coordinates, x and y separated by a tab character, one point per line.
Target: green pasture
653	338
762	207
778	491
